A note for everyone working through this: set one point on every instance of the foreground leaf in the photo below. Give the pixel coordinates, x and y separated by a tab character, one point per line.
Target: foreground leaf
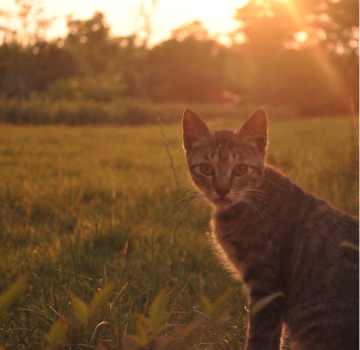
99	298
10	295
350	245
214	309
264	302
80	309
157	312
57	333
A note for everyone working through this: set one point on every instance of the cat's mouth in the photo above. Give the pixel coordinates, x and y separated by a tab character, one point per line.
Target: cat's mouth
223	202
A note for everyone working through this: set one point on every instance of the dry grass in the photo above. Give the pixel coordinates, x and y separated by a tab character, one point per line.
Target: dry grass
82	207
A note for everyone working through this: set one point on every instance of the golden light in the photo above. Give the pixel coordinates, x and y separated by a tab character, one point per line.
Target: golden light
165	15
301	36
216	16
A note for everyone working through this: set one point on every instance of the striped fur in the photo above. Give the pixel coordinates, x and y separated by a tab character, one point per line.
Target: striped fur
276	237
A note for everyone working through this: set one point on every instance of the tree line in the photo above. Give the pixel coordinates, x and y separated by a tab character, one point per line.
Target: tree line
301	53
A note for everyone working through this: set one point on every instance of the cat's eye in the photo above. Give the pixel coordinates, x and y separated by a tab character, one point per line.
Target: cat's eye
206	169
240	169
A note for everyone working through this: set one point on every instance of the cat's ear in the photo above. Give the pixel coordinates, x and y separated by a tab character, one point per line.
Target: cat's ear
196	132
254	131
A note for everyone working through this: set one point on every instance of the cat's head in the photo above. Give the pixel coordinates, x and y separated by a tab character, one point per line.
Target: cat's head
225	164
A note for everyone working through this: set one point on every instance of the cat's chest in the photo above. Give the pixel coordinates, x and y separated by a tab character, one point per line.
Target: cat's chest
241	244
241	234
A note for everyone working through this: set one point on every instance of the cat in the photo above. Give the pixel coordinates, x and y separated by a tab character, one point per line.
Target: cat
281	241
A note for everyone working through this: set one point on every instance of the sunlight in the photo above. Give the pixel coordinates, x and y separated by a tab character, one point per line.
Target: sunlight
323	63
301	36
217	17
164	15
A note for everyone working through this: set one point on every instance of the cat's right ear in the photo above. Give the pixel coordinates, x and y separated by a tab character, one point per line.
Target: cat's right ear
196	132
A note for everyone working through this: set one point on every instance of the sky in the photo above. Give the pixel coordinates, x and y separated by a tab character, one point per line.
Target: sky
121	15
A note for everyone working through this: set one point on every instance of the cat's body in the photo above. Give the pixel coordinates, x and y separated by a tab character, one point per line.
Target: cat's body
277	237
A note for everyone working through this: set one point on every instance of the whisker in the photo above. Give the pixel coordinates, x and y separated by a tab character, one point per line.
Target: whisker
181	200
185	203
263	199
252	206
273	183
187	208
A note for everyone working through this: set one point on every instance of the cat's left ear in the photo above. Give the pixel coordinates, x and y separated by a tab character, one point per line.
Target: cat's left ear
254	131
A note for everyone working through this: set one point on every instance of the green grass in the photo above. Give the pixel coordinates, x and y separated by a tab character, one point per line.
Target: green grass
82	207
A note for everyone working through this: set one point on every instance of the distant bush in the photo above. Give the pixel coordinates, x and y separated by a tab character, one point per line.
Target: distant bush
38	111
99	88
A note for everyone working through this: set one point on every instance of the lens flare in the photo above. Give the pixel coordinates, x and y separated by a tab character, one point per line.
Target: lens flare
334	78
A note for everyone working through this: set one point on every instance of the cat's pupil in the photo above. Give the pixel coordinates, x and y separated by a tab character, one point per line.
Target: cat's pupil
206	169
240	169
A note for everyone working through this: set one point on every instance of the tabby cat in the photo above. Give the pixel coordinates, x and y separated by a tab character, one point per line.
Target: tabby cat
277	238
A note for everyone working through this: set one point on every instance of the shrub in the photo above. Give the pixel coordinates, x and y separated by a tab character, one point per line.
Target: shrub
124	111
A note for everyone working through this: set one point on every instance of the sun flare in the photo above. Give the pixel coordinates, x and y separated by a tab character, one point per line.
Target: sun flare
301	36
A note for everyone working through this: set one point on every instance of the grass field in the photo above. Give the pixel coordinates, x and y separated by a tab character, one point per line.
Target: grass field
84	207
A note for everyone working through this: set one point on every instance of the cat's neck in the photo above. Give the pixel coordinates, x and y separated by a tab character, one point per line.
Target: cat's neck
273	181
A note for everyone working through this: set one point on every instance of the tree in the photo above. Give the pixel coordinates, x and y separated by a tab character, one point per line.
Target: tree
274	22
33	23
194	30
187	70
91	43
317	36
33	68
144	25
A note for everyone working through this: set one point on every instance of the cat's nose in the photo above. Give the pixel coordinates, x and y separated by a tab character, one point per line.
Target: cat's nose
222	192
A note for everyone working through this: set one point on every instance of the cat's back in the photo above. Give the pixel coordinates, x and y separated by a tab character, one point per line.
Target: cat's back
310	249
322	304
